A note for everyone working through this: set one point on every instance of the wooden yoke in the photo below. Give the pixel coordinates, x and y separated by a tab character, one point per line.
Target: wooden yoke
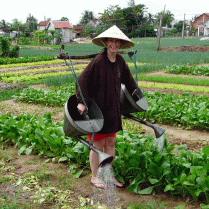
66	56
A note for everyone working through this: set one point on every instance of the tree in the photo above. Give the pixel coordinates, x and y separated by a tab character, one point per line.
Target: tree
134	17
4	46
5	50
167	18
132	20
88	29
193	30
86	17
131	3
46	37
14	25
32	23
113	15
64	19
18	25
179	26
151	19
4	24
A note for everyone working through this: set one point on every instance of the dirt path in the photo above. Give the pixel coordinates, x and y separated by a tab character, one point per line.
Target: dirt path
57	174
194	139
186	48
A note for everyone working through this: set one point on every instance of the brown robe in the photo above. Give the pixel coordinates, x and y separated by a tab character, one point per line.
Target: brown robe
101	81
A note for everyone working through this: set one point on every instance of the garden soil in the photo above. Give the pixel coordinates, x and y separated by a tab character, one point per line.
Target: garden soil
194	139
186	48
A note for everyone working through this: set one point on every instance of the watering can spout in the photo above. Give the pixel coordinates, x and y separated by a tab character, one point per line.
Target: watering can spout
159	131
104	159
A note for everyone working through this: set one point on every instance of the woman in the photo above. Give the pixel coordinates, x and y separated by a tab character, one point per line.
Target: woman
101	81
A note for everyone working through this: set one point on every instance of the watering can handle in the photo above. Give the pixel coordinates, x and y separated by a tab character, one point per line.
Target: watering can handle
71	68
130	54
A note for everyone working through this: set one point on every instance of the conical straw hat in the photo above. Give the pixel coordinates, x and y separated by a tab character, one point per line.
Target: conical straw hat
113	32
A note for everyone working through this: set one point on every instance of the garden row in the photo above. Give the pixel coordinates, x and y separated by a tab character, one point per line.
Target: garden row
191	112
4	61
37	75
138	163
188	70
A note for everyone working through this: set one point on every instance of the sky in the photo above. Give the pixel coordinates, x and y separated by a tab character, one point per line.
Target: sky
73	9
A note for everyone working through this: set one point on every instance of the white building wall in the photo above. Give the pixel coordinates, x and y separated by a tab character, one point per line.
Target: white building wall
206	28
67	35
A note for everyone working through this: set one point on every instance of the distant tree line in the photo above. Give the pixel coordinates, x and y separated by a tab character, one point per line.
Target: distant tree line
133	20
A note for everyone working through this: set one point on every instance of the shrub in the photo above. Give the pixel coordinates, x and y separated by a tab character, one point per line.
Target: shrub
14	51
4	46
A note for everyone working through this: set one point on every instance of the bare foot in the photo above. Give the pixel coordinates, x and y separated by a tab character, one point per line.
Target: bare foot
117	183
98	183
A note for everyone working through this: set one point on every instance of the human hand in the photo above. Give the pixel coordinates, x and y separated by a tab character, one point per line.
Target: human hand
134	92
135	95
81	108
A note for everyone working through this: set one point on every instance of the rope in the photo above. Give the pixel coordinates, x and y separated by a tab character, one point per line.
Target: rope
71	68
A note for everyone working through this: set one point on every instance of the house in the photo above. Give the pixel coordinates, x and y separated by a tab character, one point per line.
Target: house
198	23
156	32
14	34
77	30
93	23
43	25
206	28
4	32
65	27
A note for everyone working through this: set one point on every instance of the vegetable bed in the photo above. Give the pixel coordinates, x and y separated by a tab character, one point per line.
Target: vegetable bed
176	172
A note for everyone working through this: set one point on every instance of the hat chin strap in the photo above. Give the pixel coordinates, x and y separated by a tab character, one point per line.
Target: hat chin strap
103	43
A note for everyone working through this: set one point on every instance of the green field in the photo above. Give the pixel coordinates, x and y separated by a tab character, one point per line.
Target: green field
146	51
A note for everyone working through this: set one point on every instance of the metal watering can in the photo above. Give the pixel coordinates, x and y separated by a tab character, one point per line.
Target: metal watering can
75	125
138	103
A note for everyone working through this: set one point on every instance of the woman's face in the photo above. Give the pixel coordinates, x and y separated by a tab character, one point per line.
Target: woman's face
113	44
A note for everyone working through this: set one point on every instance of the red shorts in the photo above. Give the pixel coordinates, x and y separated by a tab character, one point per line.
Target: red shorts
99	137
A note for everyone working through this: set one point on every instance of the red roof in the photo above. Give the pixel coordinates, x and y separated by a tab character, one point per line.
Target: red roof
57	25
78	27
43	23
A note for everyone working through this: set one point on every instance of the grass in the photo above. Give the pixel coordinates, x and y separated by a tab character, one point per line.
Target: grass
147	67
32	63
151	205
74	49
174	87
146	51
174	79
59	80
6	95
